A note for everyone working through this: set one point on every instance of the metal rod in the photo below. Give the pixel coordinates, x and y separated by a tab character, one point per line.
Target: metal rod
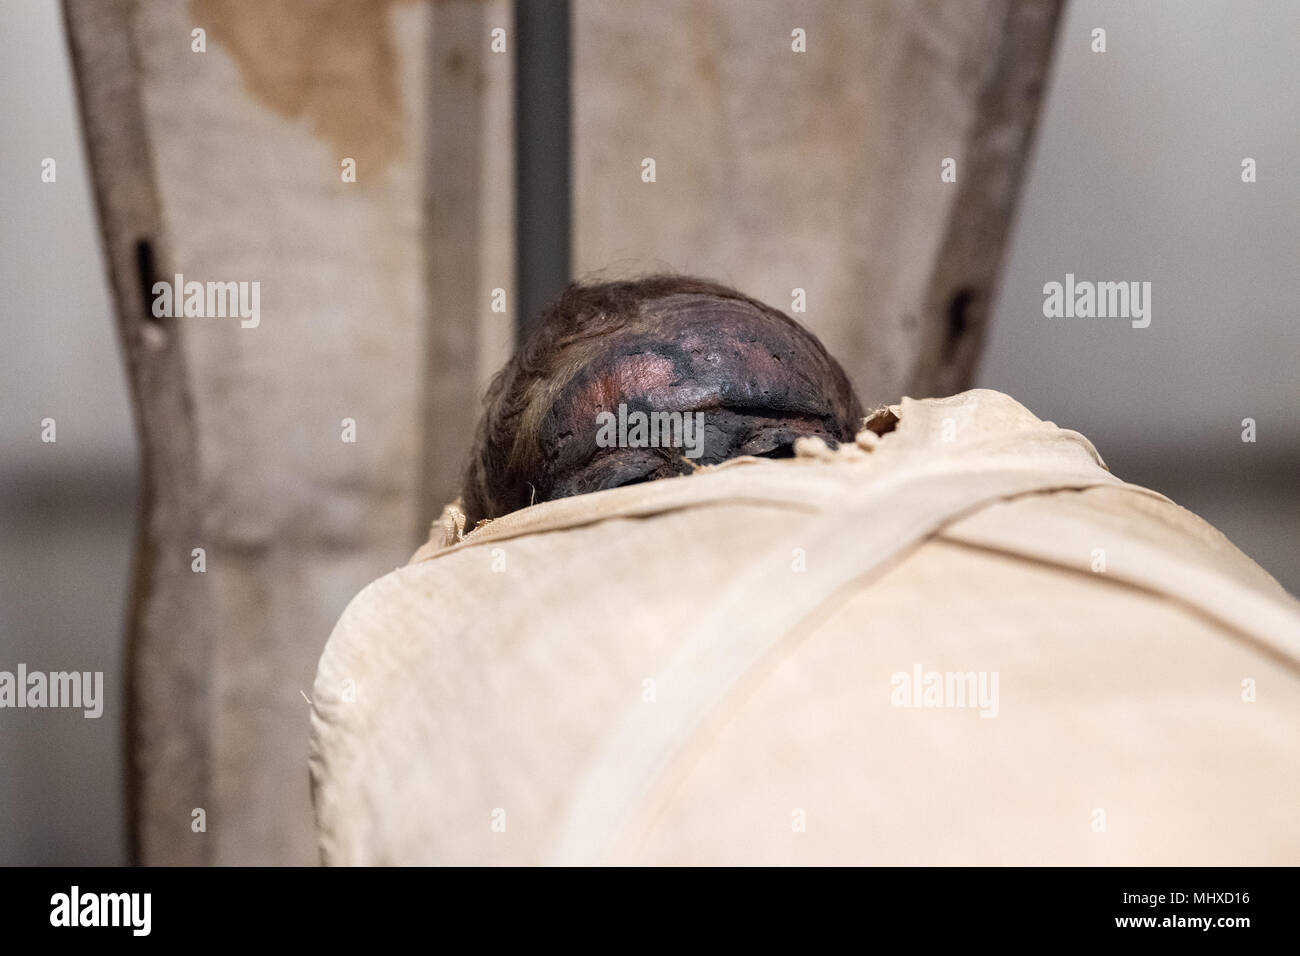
542	157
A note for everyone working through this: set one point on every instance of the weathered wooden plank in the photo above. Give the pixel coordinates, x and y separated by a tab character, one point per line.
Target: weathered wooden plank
169	646
820	170
468	190
310	424
374	324
964	279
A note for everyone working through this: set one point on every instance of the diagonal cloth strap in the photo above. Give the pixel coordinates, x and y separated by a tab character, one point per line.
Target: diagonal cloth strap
648	749
1270	621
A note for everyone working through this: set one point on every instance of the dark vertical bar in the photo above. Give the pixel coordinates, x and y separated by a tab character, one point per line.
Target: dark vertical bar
542	166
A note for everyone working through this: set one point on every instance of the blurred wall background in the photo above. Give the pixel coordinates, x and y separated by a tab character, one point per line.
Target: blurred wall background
1136	175
67	509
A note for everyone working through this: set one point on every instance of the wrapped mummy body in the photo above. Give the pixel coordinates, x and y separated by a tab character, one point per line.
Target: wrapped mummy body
959	640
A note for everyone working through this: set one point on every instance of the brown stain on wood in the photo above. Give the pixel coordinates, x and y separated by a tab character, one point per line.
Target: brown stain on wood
331	62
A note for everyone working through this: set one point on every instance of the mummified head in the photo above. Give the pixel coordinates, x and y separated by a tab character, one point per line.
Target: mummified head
663	343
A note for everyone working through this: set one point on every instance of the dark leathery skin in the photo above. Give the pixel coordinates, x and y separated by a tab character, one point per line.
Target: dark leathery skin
755	380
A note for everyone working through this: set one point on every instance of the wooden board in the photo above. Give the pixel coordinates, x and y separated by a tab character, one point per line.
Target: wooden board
228	162
819	170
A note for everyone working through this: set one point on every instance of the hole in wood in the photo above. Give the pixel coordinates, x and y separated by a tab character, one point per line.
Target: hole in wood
959	321
147	273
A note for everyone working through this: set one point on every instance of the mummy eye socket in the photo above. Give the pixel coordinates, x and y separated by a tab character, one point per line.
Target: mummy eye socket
769	444
619	470
782	450
635	480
